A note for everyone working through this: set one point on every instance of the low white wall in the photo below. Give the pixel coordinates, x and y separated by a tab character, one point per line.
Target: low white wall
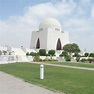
43	57
13	58
7	58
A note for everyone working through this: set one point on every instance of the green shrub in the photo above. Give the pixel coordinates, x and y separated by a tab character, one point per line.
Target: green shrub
61	55
40	59
33	54
42	52
91	60
51	52
86	54
77	59
83	60
64	53
91	55
68	58
46	59
52	59
27	54
37	58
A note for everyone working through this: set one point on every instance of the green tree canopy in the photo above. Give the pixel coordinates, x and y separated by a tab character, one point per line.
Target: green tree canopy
64	53
51	52
71	48
75	48
42	52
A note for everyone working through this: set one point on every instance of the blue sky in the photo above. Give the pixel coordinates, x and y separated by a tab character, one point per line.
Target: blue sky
7	7
18	18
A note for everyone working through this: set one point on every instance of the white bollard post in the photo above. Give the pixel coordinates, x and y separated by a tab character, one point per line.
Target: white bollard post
41	71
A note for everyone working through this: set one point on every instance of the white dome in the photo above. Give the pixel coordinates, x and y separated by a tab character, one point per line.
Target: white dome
50	23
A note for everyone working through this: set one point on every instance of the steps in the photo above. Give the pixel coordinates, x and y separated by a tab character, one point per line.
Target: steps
23	58
18	51
60	59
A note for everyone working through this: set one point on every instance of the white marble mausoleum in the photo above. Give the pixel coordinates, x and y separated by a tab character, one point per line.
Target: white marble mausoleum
49	36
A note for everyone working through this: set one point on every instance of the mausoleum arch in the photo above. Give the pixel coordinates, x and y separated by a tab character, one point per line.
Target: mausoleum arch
38	44
58	45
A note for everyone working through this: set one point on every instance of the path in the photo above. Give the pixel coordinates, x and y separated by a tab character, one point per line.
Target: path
12	85
65	66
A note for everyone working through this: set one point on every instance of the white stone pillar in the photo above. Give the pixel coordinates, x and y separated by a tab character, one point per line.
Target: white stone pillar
41	71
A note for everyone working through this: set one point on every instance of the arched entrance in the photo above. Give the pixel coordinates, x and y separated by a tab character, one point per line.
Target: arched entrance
38	44
58	47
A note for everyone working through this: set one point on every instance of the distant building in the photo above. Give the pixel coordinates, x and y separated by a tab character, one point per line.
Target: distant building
50	36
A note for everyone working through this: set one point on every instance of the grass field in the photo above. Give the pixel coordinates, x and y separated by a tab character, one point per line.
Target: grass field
70	81
88	65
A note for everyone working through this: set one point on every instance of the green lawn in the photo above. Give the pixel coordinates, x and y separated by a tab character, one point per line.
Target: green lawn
88	65
70	81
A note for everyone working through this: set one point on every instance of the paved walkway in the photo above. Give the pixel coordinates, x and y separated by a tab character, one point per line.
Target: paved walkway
65	66
12	85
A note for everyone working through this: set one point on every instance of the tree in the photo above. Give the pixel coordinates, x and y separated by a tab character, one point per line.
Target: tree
67	48
51	52
42	52
71	48
86	54
76	55
64	53
75	48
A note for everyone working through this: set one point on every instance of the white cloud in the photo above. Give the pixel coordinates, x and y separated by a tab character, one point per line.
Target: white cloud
17	30
76	24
